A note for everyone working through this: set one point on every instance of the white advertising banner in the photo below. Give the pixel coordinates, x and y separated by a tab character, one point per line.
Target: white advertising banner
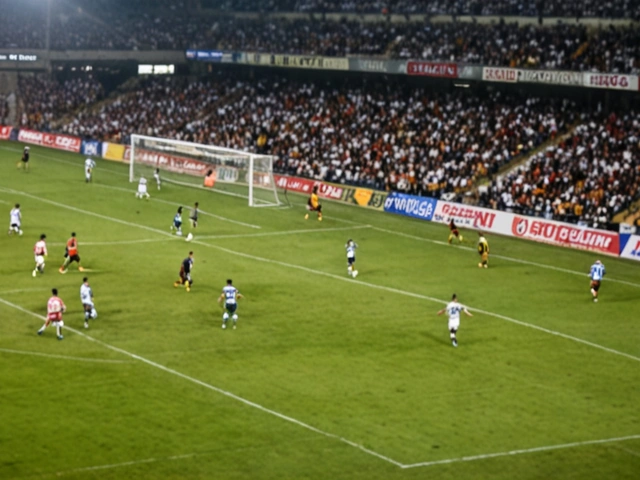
531	228
631	248
611	81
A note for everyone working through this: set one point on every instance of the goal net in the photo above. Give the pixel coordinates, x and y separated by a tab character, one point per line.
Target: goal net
224	170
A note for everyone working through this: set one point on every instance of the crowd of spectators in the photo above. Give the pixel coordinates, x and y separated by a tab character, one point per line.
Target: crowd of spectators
44	99
157	106
586	179
548	8
615	50
381	136
4	109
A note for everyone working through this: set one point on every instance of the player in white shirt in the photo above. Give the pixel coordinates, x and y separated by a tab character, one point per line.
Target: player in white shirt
453	310
15	220
89	165
86	297
142	189
351	258
230	295
156	175
39	251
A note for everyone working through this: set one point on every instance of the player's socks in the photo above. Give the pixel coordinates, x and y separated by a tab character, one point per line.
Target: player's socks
41	329
176	284
34	273
306	217
450	238
86	324
454	342
460	238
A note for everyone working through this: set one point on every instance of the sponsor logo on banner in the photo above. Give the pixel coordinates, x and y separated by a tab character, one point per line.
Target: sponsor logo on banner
551	77
466	216
433	69
297	61
328	190
300	185
410	205
559	233
176	164
611	81
364	197
369	65
631	248
5	132
91	148
112	151
59	142
498	74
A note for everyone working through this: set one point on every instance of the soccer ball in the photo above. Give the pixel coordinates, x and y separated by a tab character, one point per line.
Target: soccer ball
94	313
355	273
189	237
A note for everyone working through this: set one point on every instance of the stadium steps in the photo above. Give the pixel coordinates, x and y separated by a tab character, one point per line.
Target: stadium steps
630	216
524	159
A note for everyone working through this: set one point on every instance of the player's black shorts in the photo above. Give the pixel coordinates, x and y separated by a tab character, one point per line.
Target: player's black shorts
231	307
351	260
74	258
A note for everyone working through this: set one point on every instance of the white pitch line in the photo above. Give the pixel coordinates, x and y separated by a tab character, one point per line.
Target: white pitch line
331	275
284	232
177	204
520	452
502	257
212	387
125	464
66	162
24	290
63	357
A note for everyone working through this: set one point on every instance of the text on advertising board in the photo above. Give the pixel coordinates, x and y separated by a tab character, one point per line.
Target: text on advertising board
564	234
433	69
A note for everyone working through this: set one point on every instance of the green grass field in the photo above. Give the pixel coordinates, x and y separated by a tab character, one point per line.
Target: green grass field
326	377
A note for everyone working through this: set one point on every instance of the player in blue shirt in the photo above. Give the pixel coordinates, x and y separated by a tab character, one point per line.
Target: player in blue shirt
177	222
185	273
230	295
596	275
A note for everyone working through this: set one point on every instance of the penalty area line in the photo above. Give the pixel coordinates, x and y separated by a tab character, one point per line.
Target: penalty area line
63	357
214	388
522	451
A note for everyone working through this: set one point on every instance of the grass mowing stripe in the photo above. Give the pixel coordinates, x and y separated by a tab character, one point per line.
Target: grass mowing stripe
212	387
331	275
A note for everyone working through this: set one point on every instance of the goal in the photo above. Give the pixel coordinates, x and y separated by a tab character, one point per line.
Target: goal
223	170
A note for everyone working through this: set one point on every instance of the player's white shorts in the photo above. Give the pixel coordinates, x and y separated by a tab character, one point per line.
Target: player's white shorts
142	189
454	323
39	259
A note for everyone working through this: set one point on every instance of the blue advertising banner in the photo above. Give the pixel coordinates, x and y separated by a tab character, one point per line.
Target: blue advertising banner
91	148
410	205
204	55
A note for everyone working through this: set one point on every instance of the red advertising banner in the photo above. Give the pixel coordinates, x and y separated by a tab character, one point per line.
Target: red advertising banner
566	235
433	69
499	74
467	216
5	132
611	81
50	140
304	185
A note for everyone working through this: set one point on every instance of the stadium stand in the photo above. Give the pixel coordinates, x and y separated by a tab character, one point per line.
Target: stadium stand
379	135
46	99
586	179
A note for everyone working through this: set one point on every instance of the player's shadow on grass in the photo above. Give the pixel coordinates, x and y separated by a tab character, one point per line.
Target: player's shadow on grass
440	339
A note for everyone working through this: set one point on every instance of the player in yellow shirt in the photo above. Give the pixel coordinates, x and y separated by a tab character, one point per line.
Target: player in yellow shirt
313	205
483	250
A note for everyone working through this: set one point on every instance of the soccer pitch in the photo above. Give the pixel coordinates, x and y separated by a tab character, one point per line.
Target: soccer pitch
326	377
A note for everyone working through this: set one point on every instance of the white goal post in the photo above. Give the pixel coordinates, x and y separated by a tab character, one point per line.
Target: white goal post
224	170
